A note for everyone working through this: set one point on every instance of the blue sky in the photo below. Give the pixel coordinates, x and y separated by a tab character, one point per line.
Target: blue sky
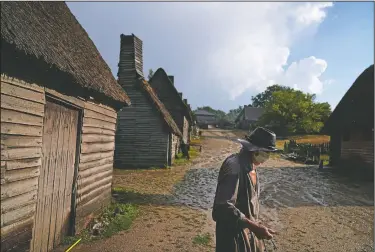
223	53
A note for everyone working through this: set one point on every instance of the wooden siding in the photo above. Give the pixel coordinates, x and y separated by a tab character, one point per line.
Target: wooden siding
357	148
141	136
22	111
22	117
96	162
173	104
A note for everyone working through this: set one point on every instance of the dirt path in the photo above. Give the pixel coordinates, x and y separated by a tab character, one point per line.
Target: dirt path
312	210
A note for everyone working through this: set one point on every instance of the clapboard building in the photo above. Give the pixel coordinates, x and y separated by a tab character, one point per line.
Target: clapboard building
58	118
147	135
351	126
173	101
205	119
248	116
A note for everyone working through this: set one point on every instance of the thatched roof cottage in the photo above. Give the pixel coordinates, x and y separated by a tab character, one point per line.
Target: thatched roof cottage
58	118
173	101
351	126
147	135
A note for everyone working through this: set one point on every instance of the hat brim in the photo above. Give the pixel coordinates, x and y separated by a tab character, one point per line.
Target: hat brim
251	147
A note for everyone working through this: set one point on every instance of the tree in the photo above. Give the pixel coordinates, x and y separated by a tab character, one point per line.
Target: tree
150	74
289	111
260	99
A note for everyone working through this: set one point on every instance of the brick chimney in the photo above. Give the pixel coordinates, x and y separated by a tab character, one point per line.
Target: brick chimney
171	78
130	65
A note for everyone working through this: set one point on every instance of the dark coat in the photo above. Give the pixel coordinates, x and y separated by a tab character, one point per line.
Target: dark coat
236	199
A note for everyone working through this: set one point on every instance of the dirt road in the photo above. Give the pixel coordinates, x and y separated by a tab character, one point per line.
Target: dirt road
311	210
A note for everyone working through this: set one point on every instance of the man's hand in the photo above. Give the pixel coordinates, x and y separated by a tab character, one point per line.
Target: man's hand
262	232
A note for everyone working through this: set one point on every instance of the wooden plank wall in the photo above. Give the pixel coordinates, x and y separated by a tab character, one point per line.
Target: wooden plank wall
22	112
141	136
96	162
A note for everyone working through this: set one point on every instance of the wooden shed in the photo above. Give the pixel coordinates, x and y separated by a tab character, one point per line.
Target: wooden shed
147	135
173	101
351	126
205	119
248	116
58	118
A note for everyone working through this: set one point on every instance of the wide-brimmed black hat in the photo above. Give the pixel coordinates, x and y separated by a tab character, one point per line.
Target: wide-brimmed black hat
261	139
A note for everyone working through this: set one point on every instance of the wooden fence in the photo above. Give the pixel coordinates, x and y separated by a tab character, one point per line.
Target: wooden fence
305	151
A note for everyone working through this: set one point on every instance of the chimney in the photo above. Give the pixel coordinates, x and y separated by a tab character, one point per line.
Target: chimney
180	95
130	65
185	101
171	78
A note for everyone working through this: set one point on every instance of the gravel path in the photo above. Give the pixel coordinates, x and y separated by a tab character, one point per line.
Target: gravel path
312	210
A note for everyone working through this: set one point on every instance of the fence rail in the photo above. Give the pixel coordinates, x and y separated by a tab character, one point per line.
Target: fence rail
306	152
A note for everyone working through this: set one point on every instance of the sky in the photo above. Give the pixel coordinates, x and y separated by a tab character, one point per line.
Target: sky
223	53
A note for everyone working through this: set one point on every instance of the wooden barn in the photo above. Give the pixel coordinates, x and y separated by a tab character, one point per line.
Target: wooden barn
147	135
205	119
248	116
351	126
173	101
58	118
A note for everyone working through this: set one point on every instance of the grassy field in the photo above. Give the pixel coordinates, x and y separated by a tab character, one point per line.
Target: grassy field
312	139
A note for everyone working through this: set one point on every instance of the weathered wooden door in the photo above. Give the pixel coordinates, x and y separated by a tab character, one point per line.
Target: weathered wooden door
56	176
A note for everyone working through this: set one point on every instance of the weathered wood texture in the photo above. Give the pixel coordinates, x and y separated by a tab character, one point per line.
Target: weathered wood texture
22	118
358	149
141	136
56	176
22	111
96	162
172	100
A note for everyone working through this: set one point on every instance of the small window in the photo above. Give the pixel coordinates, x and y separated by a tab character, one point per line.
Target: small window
346	135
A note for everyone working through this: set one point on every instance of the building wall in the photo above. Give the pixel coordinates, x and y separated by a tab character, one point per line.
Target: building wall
186	131
96	161
22	114
358	149
175	146
141	136
172	102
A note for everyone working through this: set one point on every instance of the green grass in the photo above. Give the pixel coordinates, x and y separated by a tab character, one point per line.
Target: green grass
180	160
203	239
115	218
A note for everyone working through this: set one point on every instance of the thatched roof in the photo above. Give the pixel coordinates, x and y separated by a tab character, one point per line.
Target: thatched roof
202	112
149	91
169	82
356	108
49	32
251	113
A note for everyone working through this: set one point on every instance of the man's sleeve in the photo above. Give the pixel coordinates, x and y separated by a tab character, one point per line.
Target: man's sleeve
224	209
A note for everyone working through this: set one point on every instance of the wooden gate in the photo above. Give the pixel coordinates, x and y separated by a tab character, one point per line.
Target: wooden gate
56	177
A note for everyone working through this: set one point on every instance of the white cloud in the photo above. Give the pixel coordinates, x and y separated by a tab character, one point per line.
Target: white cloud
255	51
217	51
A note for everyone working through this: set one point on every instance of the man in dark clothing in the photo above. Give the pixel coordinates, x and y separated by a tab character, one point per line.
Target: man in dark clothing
236	205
